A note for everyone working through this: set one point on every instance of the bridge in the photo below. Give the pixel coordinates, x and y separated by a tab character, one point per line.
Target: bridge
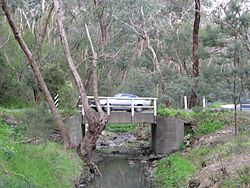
166	133
126	110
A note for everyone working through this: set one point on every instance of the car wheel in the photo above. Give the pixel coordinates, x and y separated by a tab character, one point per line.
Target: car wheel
138	109
105	109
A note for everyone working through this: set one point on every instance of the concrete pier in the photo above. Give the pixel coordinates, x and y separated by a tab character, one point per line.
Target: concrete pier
167	135
74	126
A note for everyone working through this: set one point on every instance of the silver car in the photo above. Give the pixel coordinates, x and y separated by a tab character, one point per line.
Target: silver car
124	101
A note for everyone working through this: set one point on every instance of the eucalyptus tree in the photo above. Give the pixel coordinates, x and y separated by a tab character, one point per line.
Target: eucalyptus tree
196	28
37	74
237	20
225	42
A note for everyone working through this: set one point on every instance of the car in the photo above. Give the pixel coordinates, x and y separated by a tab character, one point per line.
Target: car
123	101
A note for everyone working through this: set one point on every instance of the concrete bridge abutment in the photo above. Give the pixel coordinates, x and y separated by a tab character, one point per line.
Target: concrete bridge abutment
167	135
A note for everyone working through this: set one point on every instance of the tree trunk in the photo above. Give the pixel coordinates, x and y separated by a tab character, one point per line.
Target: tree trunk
37	97
101	18
38	75
95	126
193	98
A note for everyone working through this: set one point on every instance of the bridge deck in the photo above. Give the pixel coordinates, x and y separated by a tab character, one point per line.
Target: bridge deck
126	118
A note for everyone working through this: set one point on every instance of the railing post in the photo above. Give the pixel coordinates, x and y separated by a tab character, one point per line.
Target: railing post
133	108
155	108
108	106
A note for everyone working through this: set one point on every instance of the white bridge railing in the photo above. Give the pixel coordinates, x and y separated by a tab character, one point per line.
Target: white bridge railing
132	105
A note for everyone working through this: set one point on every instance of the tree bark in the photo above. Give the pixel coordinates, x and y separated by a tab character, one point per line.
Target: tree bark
95	125
38	76
193	98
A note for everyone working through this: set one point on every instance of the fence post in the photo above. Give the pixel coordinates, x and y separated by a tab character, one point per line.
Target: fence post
185	102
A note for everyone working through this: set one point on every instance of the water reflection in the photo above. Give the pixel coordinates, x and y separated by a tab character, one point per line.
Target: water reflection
121	173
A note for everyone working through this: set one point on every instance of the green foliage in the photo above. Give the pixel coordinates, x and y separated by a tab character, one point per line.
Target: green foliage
46	165
210	121
121	128
140	82
173	171
54	77
207	127
68	96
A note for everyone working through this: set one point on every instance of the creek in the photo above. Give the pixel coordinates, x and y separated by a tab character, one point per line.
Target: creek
118	172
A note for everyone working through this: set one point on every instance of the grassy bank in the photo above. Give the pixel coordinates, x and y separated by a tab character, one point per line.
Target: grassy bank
221	159
173	171
205	121
30	165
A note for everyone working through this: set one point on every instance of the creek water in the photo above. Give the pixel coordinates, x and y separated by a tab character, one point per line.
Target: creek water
118	172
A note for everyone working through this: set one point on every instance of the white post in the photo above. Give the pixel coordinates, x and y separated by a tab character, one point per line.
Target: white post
204	102
185	102
133	108
155	108
108	106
